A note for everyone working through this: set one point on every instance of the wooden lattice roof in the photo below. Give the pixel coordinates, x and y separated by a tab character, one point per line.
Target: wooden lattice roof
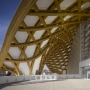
41	32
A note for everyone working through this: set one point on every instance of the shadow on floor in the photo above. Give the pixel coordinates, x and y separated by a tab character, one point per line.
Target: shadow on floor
26	82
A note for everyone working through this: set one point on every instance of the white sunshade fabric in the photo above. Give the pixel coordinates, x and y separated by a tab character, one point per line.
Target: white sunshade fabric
21	36
14	52
30	50
38	34
49	19
30	20
9	64
44	4
66	3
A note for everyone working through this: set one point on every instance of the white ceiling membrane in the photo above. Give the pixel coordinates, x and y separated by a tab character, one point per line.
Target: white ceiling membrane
23	67
9	64
30	20
44	43
36	65
30	50
54	29
86	5
43	4
66	3
49	19
14	52
67	17
38	34
21	36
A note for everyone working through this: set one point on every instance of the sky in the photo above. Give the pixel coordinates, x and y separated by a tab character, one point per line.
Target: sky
7	10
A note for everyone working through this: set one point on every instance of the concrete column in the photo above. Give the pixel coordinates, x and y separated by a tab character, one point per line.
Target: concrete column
74	56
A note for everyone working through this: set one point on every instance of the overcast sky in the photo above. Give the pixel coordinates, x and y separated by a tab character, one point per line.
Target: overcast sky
7	10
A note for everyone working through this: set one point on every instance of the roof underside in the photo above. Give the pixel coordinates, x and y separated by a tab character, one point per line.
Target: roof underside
44	36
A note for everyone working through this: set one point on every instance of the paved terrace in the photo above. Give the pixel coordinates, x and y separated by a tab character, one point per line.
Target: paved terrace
65	84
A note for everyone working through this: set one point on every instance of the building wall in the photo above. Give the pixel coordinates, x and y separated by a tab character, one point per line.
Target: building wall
74	57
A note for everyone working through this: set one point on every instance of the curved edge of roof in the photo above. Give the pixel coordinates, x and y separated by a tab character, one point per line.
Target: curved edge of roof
21	11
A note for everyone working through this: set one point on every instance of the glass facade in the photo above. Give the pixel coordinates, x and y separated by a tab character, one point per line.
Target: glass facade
86	72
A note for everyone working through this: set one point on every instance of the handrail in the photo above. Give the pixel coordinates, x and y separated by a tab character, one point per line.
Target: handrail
10	79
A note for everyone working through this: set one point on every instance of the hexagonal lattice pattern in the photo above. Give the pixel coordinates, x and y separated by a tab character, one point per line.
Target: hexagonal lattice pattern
46	28
57	60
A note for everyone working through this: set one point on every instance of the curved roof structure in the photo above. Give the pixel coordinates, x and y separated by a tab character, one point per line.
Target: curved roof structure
41	32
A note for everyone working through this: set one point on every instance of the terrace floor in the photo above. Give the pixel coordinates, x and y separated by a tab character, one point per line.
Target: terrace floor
64	84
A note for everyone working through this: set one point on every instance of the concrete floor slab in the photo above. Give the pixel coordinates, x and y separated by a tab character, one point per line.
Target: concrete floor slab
64	84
